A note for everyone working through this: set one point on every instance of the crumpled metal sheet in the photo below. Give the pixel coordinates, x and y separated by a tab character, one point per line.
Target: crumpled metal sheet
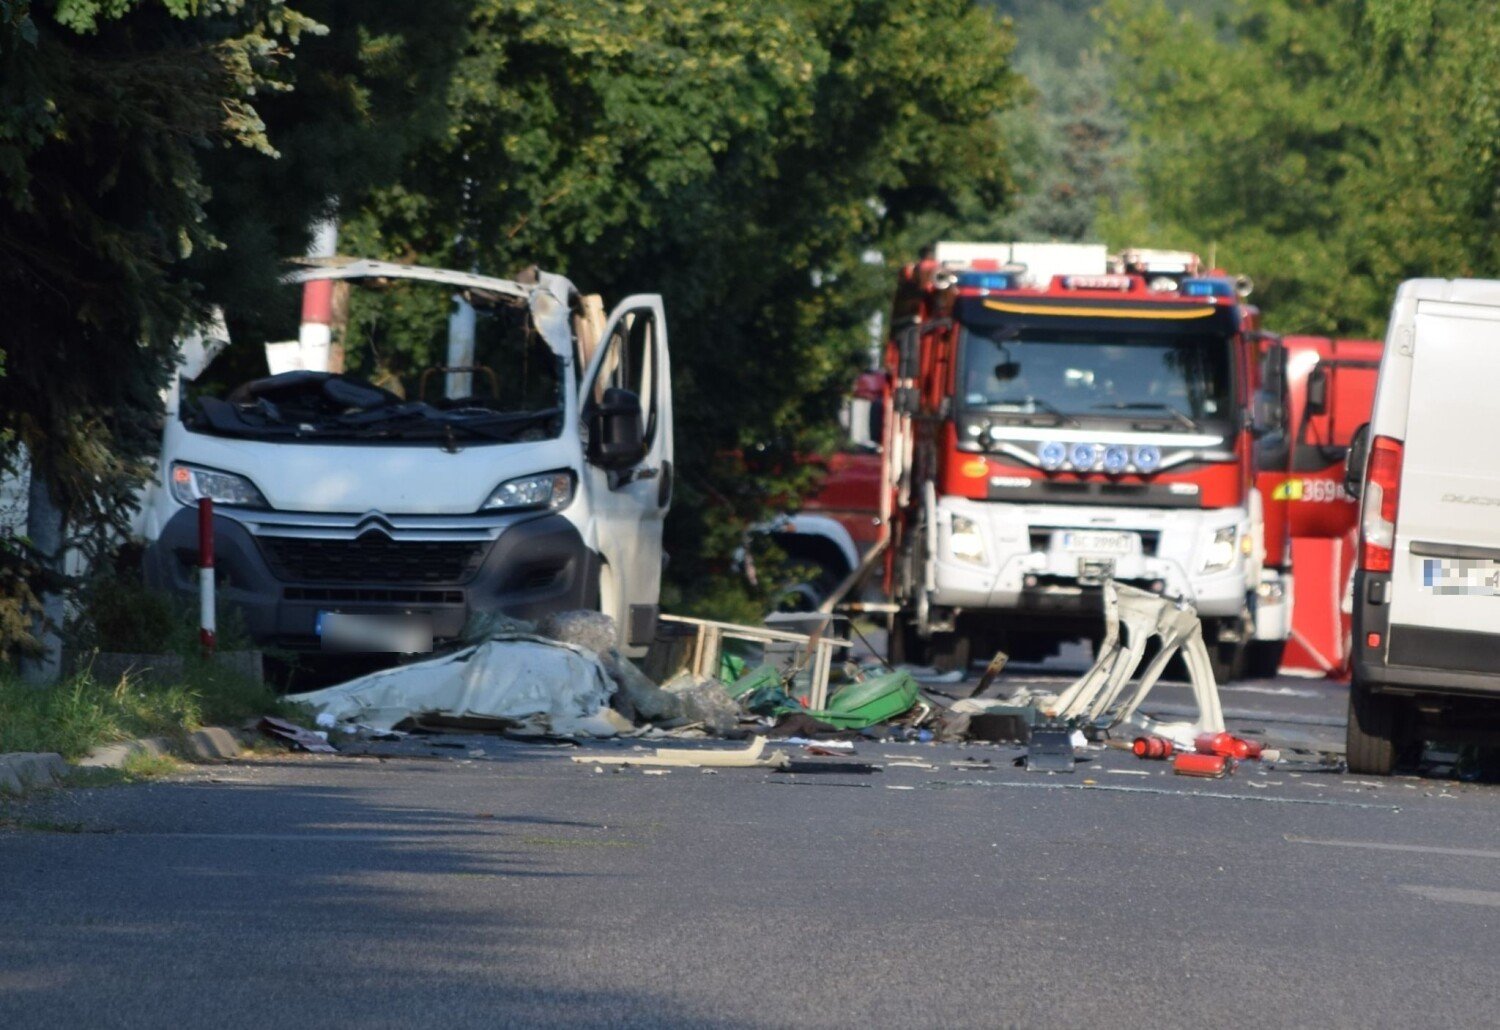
515	677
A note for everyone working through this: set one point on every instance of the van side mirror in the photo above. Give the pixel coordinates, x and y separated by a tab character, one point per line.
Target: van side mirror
617	432
1354	461
1317	391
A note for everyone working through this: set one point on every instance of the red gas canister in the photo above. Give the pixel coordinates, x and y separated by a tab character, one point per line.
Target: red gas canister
1226	745
1210	766
1153	747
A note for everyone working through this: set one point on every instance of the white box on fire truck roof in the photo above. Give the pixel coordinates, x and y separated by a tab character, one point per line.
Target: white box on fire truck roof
1150	262
1042	260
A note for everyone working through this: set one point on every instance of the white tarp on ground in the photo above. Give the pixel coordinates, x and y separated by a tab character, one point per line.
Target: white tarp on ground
516	677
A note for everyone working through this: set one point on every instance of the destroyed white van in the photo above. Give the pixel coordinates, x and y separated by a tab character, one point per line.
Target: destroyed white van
500	447
1427	590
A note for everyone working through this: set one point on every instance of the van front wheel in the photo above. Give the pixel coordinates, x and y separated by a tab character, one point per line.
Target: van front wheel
1371	737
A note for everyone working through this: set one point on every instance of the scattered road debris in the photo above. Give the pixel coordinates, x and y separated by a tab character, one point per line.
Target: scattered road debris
1225	745
1099	697
1050	749
709	637
1156	748
512	679
297	736
704	700
1191	763
735	758
876	700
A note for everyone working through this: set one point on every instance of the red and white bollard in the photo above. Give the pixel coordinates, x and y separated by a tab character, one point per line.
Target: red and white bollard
206	625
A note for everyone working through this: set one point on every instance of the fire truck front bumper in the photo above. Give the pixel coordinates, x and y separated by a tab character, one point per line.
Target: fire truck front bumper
1052	558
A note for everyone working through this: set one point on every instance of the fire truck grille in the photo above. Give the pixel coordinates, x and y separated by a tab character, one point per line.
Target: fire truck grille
372	558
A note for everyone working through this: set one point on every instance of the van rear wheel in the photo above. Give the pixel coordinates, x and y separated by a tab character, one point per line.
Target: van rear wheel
1371	736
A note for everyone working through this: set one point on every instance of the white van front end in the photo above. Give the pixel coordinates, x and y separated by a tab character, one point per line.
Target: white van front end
411	531
333	496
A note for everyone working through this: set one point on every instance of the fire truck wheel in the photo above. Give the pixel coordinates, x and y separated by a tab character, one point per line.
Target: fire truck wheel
904	647
1372	732
949	651
1263	658
1227	659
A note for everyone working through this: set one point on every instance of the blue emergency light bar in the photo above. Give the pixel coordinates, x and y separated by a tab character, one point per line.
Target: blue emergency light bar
1207	288
989	280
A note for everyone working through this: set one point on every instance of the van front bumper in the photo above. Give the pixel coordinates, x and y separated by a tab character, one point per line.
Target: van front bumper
279	571
1417	659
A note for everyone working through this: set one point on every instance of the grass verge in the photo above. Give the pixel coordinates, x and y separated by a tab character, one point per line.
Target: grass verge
76	715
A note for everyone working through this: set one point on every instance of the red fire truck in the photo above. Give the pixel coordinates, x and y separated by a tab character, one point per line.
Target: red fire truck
1121	420
1331	386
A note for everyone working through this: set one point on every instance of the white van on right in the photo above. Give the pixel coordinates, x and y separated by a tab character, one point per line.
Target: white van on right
1427	470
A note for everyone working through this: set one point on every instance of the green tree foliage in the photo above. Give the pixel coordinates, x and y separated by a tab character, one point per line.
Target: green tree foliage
1072	154
740	159
1329	148
105	109
358	98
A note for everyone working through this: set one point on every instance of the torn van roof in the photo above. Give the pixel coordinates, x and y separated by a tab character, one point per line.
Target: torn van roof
548	298
363	268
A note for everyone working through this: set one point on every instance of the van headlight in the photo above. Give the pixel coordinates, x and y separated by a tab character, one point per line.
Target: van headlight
550	490
1223	551
192	483
965	542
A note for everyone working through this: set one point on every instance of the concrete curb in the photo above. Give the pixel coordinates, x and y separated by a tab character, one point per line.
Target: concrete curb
22	770
212	743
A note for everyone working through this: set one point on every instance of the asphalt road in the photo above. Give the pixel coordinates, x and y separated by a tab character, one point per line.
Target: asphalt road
437	886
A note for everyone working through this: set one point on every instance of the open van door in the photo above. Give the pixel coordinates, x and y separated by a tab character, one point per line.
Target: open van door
626	409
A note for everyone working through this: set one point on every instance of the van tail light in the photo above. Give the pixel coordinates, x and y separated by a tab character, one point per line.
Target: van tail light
1377	522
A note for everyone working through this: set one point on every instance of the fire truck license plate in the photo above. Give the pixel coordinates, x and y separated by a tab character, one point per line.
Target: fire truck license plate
1092	542
1464	577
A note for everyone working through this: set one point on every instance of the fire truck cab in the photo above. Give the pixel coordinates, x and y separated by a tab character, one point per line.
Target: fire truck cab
1045	434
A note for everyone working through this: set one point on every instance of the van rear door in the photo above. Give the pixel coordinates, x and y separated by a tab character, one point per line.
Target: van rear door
1445	573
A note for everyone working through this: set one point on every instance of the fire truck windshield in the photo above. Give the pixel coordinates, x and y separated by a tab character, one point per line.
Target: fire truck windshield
1086	373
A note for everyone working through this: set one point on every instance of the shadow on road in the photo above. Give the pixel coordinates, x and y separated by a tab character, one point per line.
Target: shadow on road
200	902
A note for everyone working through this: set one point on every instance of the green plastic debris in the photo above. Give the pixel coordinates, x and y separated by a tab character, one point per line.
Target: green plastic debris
876	700
761	691
731	667
755	679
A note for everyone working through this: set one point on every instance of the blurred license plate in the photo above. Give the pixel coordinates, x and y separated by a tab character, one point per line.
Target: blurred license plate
403	634
1086	541
1461	576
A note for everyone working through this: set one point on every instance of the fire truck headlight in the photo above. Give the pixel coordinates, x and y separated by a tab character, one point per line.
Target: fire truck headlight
1052	454
1083	456
965	541
1223	551
1147	458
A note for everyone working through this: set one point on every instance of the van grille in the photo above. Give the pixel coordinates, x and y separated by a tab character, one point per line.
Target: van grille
372	558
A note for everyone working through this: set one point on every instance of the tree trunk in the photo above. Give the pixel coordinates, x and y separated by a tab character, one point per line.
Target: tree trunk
44	526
